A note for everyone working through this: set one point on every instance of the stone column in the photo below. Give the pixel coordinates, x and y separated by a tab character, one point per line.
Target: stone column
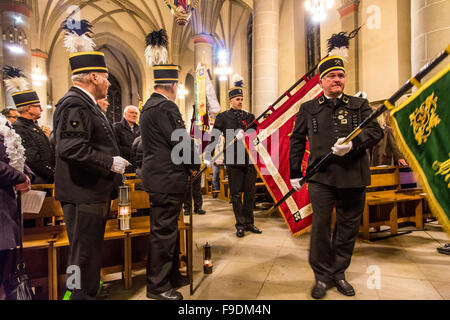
350	21
266	15
430	32
39	61
204	51
16	38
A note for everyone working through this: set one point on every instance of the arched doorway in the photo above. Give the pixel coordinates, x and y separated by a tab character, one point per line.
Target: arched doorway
114	113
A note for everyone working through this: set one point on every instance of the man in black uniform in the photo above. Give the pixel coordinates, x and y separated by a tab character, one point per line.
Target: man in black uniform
325	121
127	130
39	154
165	176
88	167
241	173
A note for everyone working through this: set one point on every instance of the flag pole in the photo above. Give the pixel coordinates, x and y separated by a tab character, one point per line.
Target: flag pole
305	77
387	105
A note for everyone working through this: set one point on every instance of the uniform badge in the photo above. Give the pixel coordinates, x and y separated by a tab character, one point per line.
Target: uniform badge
344	121
341	117
74	124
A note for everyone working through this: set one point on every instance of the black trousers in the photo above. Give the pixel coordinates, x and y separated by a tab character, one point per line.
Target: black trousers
242	180
8	259
163	253
196	194
85	224
330	257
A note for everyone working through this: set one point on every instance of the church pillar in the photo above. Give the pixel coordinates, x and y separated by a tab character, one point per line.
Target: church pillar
266	16
16	32
430	31
350	21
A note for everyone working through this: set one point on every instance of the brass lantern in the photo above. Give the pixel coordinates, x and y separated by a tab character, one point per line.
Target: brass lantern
124	214
207	259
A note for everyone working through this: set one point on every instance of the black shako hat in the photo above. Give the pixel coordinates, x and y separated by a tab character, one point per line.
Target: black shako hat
237	89
21	91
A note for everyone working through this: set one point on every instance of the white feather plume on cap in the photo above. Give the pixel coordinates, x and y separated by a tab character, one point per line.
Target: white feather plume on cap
15	80
238	81
156	50
77	38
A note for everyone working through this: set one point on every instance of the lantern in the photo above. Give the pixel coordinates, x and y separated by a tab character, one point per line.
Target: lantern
124	214
182	10
207	259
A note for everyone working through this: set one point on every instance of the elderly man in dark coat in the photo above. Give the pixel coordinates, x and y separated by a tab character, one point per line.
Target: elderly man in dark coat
169	157
14	177
88	167
324	122
127	130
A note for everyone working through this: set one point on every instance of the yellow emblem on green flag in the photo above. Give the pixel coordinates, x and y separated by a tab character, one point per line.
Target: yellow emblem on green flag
422	128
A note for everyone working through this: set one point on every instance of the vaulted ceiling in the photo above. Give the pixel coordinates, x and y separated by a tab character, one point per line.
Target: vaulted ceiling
138	17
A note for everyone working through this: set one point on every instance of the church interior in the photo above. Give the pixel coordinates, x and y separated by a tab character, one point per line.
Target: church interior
271	44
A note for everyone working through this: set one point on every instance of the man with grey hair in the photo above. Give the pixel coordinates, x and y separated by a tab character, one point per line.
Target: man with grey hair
88	167
127	130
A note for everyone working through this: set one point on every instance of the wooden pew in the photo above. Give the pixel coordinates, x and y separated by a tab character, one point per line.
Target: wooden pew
124	251
387	205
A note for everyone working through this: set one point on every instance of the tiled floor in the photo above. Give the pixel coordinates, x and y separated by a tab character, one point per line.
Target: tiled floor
274	265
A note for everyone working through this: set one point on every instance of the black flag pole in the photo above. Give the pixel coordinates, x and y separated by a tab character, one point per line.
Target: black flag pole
306	77
287	93
387	105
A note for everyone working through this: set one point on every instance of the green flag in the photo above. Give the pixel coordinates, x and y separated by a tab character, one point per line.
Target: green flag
422	128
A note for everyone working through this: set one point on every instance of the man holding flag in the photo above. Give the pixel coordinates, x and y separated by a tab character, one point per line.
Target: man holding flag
324	122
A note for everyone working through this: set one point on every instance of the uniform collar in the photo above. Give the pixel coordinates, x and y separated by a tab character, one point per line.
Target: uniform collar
162	95
88	93
342	98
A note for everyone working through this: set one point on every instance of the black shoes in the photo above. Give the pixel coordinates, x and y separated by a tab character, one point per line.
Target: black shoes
345	288
215	194
199	211
241	230
181	282
445	249
253	229
319	290
170	294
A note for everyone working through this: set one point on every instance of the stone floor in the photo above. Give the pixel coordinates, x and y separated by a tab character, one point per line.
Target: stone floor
274	265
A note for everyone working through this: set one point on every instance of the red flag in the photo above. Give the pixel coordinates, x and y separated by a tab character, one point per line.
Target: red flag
269	149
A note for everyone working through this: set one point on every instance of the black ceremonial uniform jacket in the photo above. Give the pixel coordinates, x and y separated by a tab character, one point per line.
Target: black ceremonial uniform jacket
160	118
125	137
224	121
39	153
323	123
85	147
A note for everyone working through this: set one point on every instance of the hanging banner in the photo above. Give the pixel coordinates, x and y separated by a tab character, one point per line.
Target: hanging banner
269	151
200	92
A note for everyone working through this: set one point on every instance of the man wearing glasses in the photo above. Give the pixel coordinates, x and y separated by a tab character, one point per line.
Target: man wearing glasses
325	121
38	150
11	114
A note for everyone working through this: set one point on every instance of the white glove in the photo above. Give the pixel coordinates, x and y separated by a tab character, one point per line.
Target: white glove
341	149
119	165
207	163
240	135
296	184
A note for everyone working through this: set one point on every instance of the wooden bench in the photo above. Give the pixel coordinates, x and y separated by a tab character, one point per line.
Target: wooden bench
387	205
124	251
